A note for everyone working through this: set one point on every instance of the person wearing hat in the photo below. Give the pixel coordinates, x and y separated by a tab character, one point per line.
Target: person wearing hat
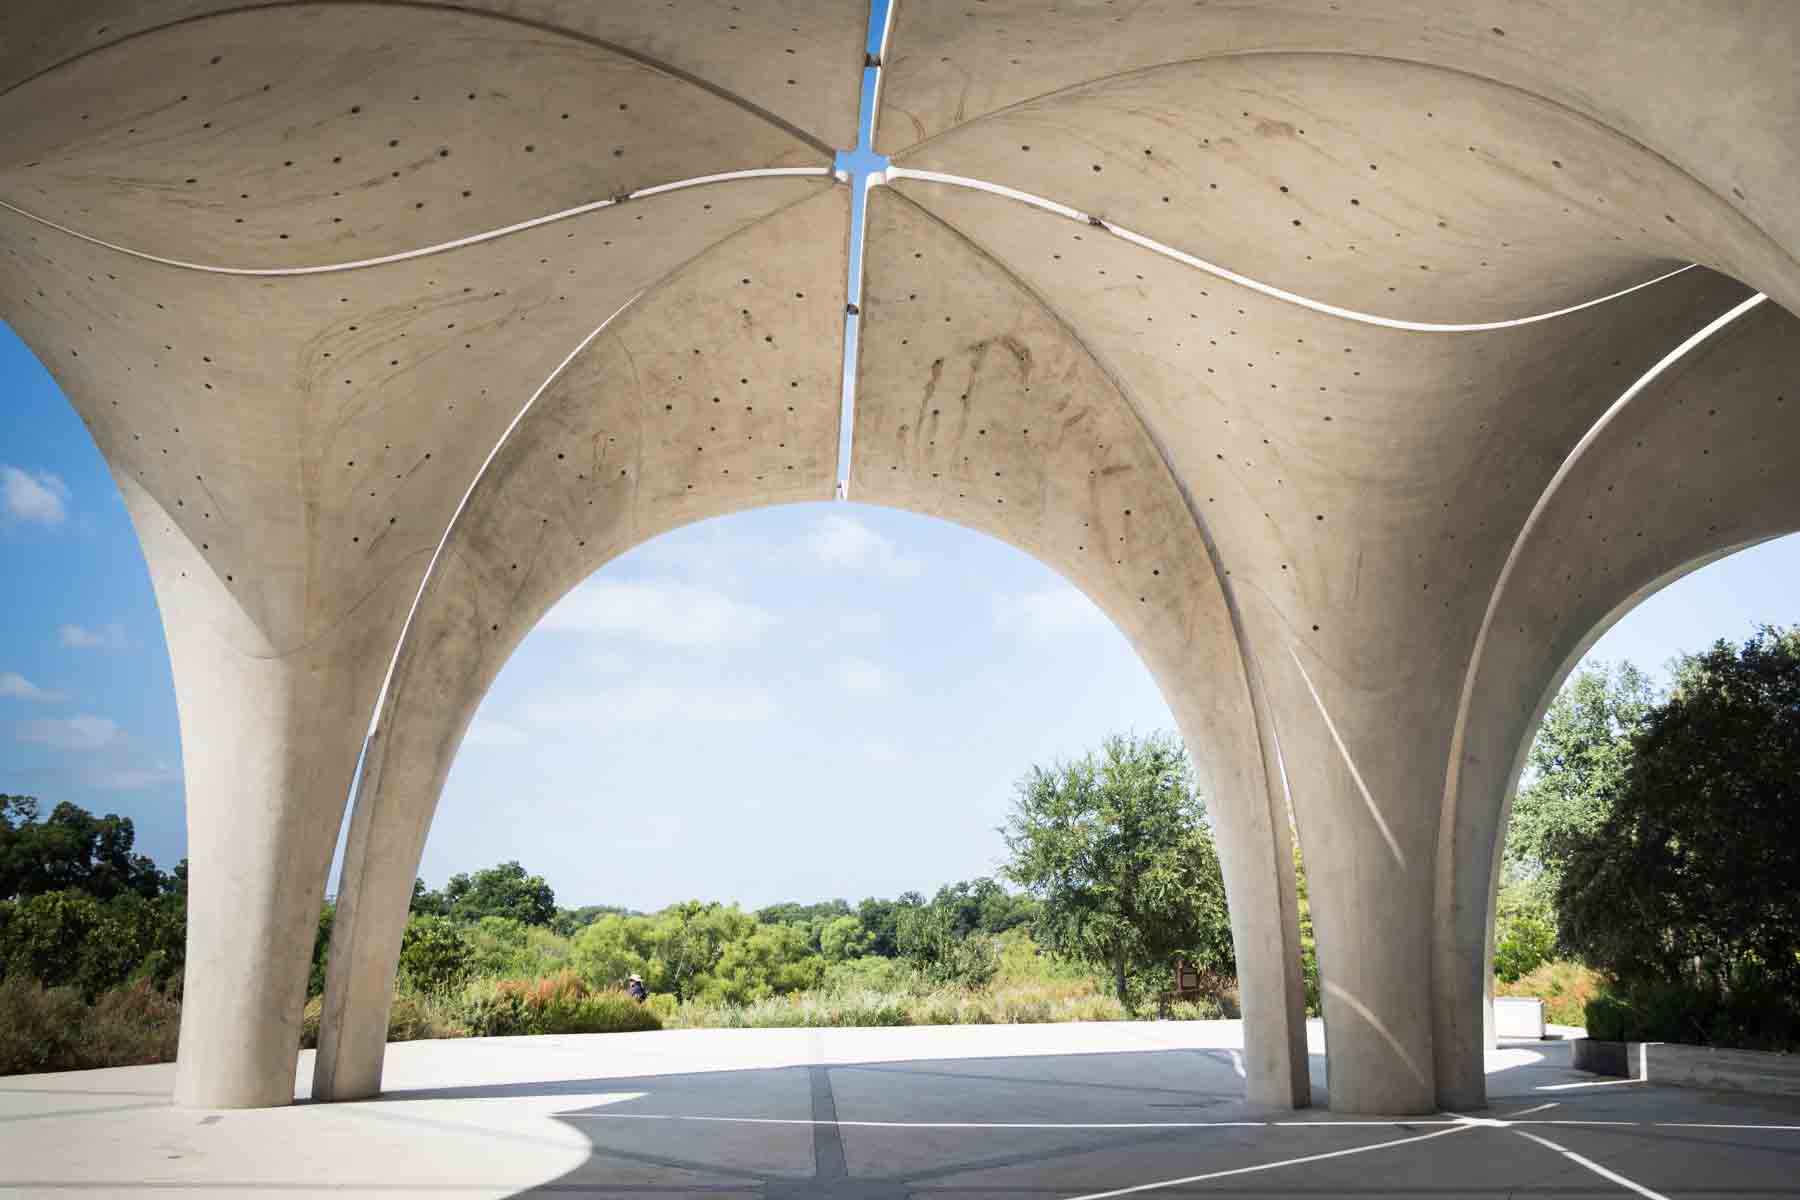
635	985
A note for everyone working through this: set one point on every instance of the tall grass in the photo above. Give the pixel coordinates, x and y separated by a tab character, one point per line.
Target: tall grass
52	1029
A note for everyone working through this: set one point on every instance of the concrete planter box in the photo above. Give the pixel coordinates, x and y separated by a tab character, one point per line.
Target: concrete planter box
1675	1065
1518	1017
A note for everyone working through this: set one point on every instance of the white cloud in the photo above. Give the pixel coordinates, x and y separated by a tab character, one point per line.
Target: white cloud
128	779
648	703
840	541
669	613
486	731
859	677
109	637
33	496
859	622
16	687
1051	612
70	733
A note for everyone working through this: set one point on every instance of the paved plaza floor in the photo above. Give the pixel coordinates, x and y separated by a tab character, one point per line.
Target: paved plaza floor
1057	1112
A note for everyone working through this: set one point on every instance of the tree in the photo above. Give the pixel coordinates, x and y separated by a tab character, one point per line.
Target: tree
71	849
934	939
1116	849
1575	767
502	891
433	954
1692	881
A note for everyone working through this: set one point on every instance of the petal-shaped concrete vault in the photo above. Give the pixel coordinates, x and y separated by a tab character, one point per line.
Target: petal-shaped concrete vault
1369	274
717	391
1362	487
1707	86
1697	464
1293	333
298	283
978	404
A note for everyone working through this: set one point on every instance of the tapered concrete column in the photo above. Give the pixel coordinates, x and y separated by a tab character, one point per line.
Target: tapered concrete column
268	759
1697	464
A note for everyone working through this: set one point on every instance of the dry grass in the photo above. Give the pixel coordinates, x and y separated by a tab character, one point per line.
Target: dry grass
1564	987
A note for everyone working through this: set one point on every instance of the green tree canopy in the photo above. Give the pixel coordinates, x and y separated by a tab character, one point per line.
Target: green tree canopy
1575	767
71	849
502	891
1116	848
1693	877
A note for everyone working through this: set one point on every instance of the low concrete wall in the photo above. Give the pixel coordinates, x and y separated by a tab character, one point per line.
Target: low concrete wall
1708	1067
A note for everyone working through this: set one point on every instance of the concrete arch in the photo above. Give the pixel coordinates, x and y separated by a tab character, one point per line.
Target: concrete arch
651	426
1360	593
1693	467
978	404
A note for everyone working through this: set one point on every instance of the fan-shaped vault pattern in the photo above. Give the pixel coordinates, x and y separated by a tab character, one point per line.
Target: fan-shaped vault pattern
394	320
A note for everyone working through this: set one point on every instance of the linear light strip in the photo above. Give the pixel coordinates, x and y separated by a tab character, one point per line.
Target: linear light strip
402	256
1167	251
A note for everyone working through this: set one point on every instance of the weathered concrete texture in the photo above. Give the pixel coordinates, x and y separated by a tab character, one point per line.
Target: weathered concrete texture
976	403
1735	127
1363	487
1697	464
717	391
1356	548
798	61
293	446
314	141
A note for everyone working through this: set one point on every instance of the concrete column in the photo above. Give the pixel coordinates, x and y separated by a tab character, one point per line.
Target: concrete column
268	755
1694	466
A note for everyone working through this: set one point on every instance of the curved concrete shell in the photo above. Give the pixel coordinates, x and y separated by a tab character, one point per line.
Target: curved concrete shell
1295	335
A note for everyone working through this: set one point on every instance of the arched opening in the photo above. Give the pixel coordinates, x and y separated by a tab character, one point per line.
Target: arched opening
1622	668
743	709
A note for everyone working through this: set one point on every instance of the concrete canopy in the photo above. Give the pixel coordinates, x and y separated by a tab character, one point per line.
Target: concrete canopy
1304	341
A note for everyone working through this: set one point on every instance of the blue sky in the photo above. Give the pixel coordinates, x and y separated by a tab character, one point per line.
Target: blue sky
795	703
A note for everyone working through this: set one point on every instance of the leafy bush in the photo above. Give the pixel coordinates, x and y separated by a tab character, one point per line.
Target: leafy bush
561	1003
434	955
1752	1014
52	1029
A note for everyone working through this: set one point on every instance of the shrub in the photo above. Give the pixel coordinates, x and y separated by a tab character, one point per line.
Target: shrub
560	1003
129	1026
40	1027
51	1029
434	954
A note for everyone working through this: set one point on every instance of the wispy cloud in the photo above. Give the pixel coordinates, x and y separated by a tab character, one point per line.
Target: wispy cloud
860	677
14	686
128	778
652	703
1052	612
665	612
36	496
844	542
69	733
77	637
494	734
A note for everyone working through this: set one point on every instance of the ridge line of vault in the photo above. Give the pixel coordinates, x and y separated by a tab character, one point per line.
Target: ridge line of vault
444	6
1174	254
1248	662
450	526
474	239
